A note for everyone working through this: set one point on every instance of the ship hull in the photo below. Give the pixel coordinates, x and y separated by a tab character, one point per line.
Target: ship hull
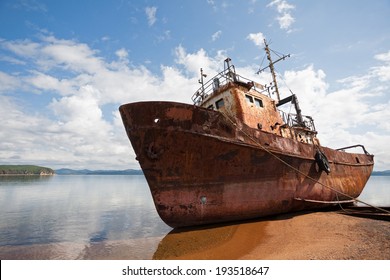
204	168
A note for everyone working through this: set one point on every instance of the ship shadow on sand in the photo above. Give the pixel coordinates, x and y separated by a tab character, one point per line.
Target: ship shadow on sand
225	241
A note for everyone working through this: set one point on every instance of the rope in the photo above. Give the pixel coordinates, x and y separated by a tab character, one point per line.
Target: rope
300	172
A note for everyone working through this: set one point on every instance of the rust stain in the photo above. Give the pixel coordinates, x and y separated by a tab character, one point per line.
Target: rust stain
238	179
177	113
239	161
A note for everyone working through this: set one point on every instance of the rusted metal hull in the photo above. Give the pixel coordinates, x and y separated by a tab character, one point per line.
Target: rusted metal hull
203	168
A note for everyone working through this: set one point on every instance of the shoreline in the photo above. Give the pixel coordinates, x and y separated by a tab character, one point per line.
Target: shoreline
14	175
298	236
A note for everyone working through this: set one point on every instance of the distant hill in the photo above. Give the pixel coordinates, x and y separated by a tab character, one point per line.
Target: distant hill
66	171
381	173
25	170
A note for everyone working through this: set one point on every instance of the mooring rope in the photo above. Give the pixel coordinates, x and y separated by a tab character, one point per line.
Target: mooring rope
300	172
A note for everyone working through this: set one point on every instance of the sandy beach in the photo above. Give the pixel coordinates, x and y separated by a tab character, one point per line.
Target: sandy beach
298	236
305	236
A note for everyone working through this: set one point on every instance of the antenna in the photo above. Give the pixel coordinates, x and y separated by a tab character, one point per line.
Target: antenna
200	81
271	67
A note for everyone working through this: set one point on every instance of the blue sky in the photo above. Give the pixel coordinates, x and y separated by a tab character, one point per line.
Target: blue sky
66	66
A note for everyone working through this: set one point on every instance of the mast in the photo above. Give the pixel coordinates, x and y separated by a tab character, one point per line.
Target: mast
200	81
271	67
293	98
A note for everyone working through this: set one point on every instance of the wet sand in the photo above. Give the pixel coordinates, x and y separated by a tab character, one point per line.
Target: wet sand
306	236
303	236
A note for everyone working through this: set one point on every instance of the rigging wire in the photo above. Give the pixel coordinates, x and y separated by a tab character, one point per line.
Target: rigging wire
337	192
262	61
300	172
277	53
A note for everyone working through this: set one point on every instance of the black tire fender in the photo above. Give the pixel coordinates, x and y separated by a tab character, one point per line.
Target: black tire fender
322	162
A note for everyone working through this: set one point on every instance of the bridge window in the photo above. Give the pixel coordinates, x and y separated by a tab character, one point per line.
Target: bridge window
219	103
249	98
259	102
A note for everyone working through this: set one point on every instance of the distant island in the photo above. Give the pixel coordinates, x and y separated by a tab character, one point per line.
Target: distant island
381	173
25	170
8	170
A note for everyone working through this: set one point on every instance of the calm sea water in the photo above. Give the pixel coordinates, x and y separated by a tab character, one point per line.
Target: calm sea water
82	212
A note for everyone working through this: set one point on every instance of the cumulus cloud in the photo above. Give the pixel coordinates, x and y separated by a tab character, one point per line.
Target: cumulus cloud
45	82
80	92
122	54
24	48
192	62
284	17
256	38
79	125
69	55
383	71
354	114
216	35
151	15
8	82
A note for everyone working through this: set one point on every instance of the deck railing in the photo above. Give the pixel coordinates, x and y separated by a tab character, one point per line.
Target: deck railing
292	121
229	75
222	78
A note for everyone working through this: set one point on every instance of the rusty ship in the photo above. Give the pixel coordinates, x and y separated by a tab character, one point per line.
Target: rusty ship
234	155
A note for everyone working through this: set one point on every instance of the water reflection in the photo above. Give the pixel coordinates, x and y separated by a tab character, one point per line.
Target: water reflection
132	249
223	242
23	179
377	191
181	242
113	217
232	241
76	210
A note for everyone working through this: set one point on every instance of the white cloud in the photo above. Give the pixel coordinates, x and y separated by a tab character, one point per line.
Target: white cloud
12	60
78	138
284	17
285	21
122	54
383	71
355	114
41	81
216	35
24	48
151	15
281	6
69	55
383	56
32	5
76	129
83	106
8	82
257	38
193	62
166	35
212	4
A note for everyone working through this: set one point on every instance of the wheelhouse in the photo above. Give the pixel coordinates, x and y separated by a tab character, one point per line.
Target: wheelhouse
250	103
